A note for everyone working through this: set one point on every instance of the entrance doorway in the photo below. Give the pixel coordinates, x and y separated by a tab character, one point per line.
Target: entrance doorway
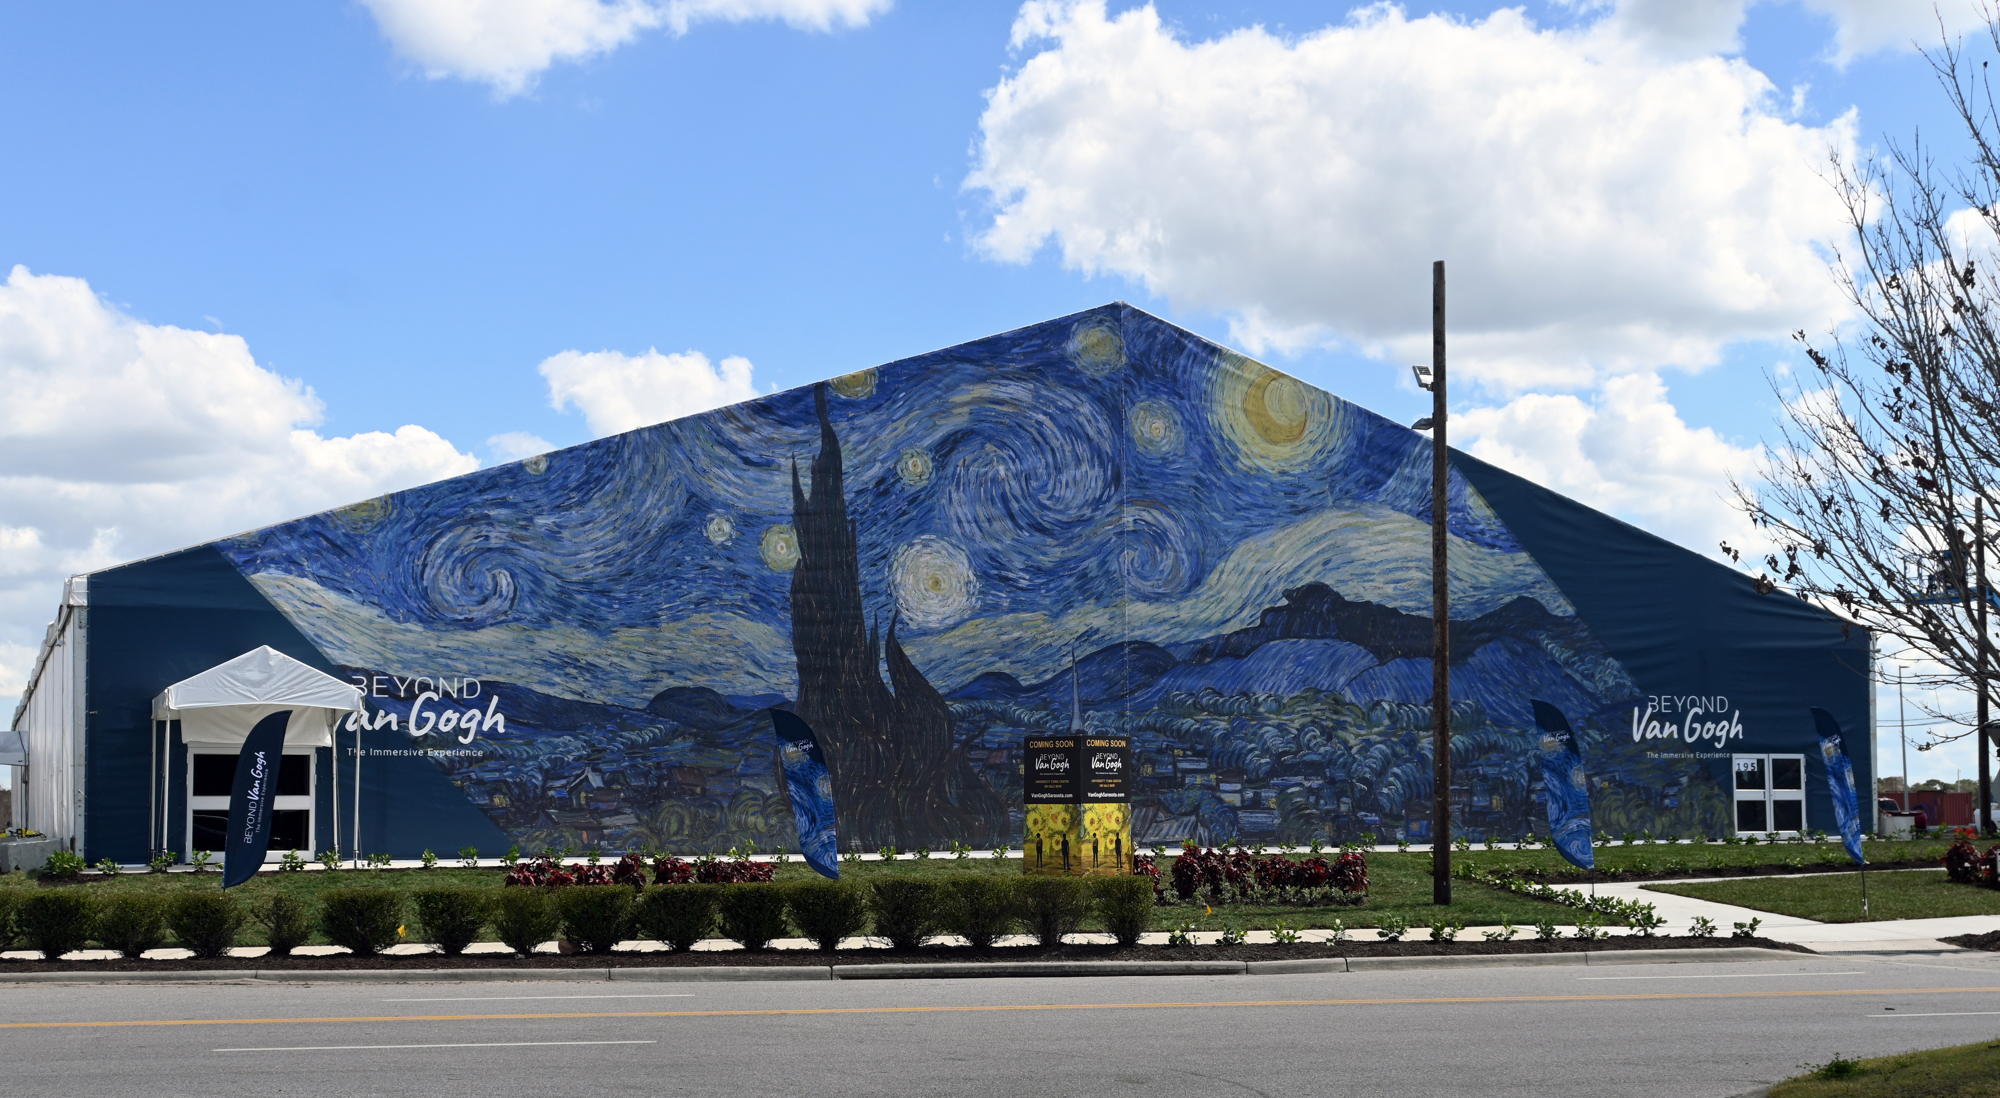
212	774
1770	794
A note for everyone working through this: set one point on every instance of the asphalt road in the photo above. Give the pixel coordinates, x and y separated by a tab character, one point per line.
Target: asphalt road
1658	1031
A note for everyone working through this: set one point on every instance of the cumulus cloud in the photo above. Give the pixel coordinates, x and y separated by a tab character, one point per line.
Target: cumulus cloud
119	439
1603	207
1865	26
1627	451
515	445
507	43
1859	26
618	392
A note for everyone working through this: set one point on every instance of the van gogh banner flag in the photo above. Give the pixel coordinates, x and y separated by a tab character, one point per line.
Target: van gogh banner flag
252	798
1565	787
1840	782
811	787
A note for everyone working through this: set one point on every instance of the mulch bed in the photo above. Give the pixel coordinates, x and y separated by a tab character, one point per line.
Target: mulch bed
1703	872
1989	941
928	955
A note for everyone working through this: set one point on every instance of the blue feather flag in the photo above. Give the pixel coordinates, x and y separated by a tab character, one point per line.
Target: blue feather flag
252	797
1840	782
1565	787
811	786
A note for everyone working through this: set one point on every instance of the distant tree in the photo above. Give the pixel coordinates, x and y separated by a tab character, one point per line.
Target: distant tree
1888	462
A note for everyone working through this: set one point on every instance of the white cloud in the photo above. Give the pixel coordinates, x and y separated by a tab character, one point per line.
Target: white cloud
507	43
1864	26
1680	27
618	392
515	445
1603	208
1859	26
1627	452
812	15
119	439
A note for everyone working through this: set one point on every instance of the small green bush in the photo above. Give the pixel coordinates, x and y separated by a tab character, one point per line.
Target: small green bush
1124	906
451	918
523	918
979	908
365	920
827	911
905	910
132	922
287	921
204	922
679	915
9	899
595	917
57	921
63	866
1052	907
752	914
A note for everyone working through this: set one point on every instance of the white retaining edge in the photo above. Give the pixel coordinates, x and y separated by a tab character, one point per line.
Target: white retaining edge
914	971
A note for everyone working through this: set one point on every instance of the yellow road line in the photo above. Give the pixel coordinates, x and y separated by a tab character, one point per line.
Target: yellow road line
1636	997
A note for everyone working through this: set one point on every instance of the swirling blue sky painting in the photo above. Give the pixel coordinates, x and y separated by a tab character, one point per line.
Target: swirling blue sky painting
906	557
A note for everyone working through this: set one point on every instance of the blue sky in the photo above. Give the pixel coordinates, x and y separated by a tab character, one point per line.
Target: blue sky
373	208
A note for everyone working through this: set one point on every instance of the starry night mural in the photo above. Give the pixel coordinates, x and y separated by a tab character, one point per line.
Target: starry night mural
904	557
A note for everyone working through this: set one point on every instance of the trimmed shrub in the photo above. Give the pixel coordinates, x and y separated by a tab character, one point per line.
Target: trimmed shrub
678	914
287	921
365	920
979	908
205	922
451	918
132	922
1052	907
9	899
753	914
827	911
1124	906
57	921
523	918
594	916
905	910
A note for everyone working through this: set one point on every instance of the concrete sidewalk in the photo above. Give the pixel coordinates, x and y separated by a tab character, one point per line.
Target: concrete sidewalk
1887	936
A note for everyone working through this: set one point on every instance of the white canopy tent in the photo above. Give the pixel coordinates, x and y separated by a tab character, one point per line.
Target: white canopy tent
220	706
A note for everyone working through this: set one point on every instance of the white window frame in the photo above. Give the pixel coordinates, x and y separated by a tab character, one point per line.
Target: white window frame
1768	796
295	803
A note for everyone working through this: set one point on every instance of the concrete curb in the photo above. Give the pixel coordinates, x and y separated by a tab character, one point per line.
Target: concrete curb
990	969
918	971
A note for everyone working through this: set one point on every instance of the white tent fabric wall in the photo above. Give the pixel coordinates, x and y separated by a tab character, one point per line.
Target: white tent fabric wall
48	786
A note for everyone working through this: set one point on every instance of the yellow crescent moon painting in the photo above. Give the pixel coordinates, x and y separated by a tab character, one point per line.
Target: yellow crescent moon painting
1277	423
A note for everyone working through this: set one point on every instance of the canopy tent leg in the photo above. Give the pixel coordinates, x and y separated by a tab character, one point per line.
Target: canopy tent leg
357	794
333	736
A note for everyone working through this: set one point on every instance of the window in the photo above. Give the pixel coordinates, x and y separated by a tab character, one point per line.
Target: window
212	779
1770	793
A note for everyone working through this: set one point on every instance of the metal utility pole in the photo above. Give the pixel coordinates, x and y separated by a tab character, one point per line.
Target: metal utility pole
1903	719
1441	611
1985	816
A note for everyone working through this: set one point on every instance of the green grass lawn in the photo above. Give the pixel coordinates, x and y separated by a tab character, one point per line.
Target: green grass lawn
1963	1071
1401	886
1618	860
1912	894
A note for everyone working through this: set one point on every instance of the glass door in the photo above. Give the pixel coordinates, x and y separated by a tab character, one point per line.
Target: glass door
212	774
1770	793
1753	794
